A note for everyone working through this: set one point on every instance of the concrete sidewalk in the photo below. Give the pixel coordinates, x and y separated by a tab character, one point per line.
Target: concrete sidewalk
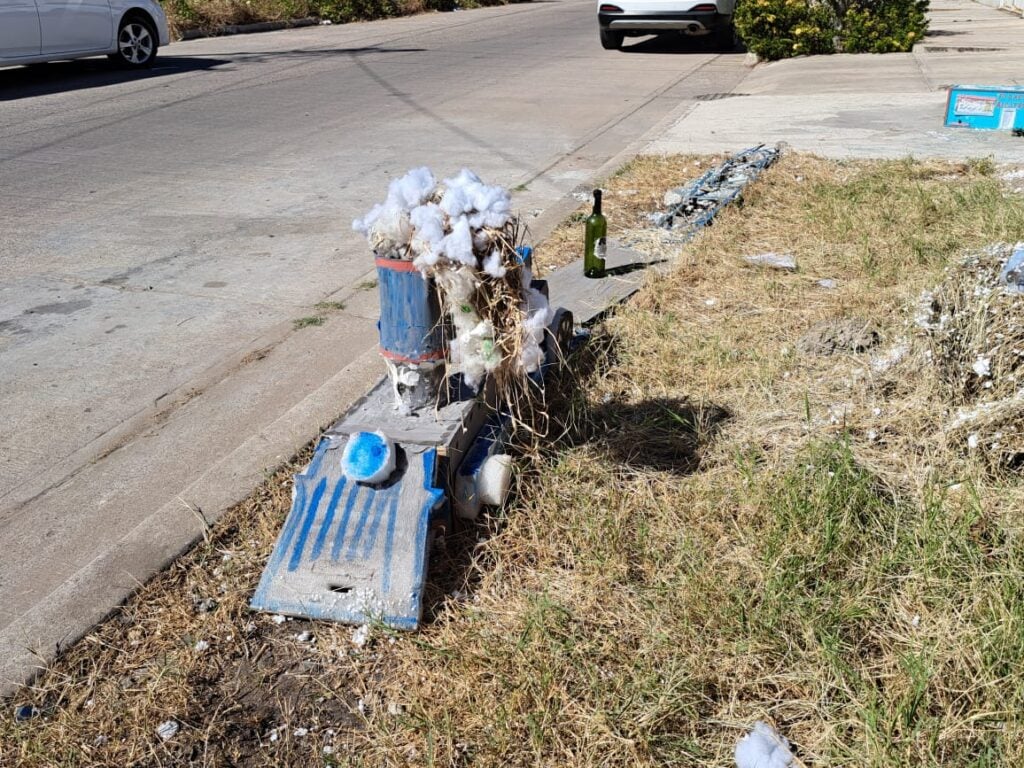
869	105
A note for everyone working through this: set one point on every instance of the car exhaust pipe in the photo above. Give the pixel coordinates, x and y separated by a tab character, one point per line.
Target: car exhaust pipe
693	29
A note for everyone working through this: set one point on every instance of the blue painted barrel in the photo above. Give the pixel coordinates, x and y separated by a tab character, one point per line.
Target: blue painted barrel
410	314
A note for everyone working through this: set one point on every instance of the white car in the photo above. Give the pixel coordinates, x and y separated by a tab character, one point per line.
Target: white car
128	31
632	18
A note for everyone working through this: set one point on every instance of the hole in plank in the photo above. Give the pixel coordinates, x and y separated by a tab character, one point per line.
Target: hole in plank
341	590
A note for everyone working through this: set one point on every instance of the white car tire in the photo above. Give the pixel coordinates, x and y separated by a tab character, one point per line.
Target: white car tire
137	43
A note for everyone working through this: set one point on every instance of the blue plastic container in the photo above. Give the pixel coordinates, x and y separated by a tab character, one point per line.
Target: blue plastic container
985	107
410	314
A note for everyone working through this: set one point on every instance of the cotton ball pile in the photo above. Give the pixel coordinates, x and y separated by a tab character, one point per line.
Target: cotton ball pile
450	233
388	225
763	747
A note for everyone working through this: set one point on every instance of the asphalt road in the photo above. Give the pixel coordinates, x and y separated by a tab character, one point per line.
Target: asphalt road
161	232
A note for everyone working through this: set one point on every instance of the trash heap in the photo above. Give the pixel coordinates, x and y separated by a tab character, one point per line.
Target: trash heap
693	205
973	326
462	235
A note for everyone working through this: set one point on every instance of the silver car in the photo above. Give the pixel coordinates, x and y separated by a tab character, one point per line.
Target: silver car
128	31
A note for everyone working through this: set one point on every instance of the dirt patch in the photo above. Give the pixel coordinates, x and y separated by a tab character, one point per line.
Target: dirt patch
854	334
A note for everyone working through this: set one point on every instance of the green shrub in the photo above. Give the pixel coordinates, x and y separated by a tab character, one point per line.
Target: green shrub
883	26
778	29
354	10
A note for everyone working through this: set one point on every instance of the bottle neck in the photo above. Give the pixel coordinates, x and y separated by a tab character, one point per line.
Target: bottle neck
597	202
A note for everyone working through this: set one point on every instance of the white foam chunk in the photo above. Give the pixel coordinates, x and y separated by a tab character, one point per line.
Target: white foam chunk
763	747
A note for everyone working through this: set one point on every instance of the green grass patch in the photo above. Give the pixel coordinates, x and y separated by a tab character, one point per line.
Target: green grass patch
329	306
308	321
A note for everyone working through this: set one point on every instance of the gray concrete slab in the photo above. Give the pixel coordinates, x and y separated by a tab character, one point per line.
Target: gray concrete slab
161	231
877	105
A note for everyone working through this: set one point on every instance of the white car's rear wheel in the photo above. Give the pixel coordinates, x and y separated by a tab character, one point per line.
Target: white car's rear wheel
136	43
611	41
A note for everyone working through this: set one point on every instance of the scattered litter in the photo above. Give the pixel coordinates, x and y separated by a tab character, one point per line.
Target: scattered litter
328	749
304	637
982	366
673	197
205	605
763	747
916	621
300	732
201	646
395	709
710	302
772	260
99	741
972	331
828	283
25	712
279	619
167	730
872	435
1012	275
360	635
361	706
892	356
691	206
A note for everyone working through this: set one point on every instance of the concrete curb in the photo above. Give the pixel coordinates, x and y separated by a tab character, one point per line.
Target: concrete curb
245	29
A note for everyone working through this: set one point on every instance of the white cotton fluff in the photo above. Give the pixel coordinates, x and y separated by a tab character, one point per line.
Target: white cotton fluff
456	202
493	265
458	245
486	206
413	189
428	221
482	240
388	224
534	328
763	747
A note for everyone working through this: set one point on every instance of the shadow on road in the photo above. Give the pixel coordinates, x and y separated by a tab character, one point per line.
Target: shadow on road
61	76
678	44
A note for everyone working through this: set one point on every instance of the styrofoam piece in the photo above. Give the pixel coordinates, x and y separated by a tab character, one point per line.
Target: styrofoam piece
494	480
369	457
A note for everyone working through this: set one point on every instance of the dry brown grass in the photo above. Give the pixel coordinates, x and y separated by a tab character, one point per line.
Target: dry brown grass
727	530
635	191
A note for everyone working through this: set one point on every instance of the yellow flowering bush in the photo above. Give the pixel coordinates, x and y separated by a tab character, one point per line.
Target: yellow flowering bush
778	29
883	26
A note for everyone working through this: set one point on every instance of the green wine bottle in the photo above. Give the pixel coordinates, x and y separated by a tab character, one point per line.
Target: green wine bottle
596	243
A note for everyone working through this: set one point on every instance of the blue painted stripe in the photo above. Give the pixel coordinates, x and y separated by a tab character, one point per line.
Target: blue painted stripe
353	545
378	514
307	523
433	496
339	537
298	506
389	543
325	526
